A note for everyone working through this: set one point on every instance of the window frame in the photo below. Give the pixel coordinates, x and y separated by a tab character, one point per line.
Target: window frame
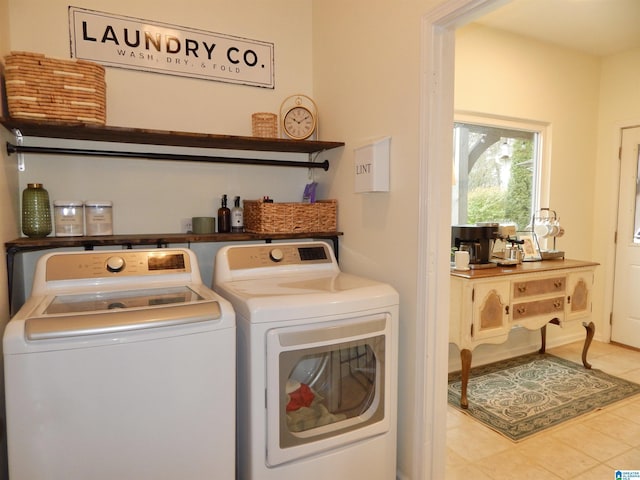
541	177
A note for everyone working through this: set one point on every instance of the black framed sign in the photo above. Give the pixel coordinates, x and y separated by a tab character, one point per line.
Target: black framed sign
136	44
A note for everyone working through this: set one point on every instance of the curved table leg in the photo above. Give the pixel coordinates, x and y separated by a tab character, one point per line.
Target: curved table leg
543	339
543	334
465	358
591	330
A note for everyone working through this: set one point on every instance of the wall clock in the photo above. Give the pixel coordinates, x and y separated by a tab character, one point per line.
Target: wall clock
299	117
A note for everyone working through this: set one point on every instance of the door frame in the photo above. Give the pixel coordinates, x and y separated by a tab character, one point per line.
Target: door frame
610	272
436	112
437	64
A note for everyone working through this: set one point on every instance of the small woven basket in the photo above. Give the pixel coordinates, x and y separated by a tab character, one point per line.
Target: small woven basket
262	217
264	124
47	88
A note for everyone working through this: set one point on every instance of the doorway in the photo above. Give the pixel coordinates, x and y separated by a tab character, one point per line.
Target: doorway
437	113
438	38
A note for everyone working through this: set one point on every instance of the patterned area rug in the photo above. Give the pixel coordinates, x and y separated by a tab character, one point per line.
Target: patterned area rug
525	395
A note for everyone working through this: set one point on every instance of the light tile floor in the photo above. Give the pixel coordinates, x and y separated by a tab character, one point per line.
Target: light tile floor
590	447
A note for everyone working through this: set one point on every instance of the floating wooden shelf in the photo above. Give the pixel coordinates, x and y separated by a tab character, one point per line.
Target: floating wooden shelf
82	131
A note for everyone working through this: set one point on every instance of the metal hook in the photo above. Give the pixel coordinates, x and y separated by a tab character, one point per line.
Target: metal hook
19	141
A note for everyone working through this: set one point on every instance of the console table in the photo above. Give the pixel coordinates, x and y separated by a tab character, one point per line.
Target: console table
486	303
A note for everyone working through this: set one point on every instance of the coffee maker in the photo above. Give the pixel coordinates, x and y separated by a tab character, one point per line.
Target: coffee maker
477	240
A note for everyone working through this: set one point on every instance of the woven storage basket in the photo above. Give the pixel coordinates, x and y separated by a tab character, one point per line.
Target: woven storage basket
47	88
264	124
261	217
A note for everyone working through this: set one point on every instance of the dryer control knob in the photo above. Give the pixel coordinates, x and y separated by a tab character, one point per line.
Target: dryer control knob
115	264
276	255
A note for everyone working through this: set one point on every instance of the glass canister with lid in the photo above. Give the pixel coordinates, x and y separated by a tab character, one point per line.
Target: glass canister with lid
69	218
98	217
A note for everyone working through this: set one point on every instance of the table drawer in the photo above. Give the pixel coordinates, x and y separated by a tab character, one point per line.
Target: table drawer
543	286
534	308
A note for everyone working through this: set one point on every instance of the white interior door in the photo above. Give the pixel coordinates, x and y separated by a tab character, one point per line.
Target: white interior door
625	327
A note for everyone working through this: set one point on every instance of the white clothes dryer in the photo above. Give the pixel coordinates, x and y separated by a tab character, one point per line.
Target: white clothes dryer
317	364
121	365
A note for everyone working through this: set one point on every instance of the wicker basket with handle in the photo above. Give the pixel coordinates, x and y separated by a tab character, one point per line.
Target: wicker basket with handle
39	87
264	217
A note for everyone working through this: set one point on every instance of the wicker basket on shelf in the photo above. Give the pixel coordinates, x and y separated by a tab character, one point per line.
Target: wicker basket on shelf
264	217
54	89
264	124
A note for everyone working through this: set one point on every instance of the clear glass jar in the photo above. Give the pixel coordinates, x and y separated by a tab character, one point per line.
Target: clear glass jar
98	217
36	211
69	218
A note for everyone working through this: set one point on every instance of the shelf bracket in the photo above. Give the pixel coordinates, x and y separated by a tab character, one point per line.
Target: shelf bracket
21	149
19	141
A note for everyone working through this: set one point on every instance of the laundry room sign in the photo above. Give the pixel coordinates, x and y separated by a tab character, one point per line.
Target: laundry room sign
136	44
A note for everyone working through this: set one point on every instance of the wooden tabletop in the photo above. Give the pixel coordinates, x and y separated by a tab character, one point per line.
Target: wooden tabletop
524	267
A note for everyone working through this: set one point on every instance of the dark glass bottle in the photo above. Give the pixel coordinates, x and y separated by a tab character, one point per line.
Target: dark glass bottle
224	217
36	211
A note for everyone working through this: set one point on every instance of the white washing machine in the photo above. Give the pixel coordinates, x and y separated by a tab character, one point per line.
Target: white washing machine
121	365
317	364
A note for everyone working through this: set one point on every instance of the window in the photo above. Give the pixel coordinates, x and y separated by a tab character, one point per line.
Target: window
496	173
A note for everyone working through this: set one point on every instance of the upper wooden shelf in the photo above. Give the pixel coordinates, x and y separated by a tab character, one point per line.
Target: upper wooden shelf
82	131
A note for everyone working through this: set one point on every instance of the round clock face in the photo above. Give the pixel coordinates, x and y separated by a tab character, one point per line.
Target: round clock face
299	123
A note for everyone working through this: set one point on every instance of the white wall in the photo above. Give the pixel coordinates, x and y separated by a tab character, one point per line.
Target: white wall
367	60
502	74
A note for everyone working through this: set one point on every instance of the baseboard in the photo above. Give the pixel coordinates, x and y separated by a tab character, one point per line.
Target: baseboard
401	476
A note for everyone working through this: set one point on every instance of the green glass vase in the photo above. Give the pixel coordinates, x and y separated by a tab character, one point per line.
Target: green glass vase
36	211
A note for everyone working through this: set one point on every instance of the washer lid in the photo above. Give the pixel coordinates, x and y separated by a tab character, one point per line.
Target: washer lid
56	327
119	299
120	311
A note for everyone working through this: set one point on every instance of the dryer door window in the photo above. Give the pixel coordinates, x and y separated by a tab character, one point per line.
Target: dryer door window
334	384
328	392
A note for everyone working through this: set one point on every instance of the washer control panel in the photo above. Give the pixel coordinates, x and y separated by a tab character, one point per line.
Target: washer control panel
272	255
85	265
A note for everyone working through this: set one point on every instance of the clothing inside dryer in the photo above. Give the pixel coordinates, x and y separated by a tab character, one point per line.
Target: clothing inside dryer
337	384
